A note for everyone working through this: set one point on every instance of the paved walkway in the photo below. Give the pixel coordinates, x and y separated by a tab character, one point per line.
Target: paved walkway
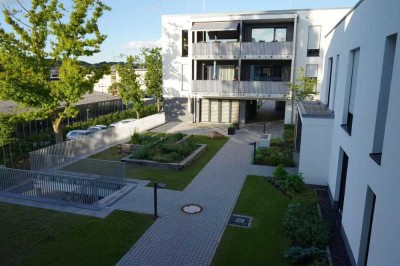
177	238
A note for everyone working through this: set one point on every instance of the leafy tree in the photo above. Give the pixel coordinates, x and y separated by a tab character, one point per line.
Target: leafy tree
304	87
128	88
45	36
153	76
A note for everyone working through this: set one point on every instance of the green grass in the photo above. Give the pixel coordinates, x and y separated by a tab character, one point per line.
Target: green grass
32	236
175	180
264	243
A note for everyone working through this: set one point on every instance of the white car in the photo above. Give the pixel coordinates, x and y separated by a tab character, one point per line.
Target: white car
123	122
74	134
94	129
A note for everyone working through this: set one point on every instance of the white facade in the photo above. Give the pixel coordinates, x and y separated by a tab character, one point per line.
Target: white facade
107	80
181	74
363	89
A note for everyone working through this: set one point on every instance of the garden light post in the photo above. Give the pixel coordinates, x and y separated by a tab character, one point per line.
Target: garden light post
157	185
254	152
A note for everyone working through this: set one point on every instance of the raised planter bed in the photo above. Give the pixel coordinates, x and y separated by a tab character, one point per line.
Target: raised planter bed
175	166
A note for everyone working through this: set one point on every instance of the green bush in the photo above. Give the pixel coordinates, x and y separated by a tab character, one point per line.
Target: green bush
288	134
276	142
305	227
275	156
294	183
279	173
306	255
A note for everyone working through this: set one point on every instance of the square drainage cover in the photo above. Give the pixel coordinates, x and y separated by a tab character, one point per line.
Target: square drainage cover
240	220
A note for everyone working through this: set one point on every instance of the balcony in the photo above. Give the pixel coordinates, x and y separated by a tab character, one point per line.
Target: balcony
215	87
267	50
216	50
212	88
268	89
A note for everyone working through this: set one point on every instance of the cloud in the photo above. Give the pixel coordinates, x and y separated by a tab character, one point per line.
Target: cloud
137	45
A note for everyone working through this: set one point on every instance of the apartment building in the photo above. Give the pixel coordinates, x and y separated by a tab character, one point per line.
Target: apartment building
107	80
216	67
351	142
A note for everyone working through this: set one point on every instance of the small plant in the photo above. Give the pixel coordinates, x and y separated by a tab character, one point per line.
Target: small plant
276	142
280	172
135	139
306	255
294	183
305	227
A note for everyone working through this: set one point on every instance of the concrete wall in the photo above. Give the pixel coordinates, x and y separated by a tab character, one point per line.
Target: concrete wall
106	81
315	143
367	28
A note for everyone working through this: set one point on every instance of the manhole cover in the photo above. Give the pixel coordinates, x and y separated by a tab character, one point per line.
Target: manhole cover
240	220
192	209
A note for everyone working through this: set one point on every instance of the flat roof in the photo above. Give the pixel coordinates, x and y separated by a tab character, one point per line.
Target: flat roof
263	12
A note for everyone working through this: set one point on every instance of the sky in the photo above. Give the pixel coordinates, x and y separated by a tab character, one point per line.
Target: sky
135	24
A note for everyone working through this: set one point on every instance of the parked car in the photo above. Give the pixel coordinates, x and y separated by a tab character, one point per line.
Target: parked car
101	126
74	134
123	122
94	129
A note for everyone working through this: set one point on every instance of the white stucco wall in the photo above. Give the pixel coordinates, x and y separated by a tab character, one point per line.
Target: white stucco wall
367	28
316	137
106	81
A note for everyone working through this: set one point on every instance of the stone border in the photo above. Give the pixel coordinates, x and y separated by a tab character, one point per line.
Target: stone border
175	166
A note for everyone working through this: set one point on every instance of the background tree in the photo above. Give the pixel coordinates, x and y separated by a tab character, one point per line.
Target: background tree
153	76
44	36
128	87
7	127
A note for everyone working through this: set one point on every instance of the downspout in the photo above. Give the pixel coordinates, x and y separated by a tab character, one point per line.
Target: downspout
293	63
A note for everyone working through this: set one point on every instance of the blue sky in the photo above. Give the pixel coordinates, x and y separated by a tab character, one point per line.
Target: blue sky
133	24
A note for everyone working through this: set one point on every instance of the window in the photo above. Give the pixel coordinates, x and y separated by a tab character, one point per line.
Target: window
330	66
312	73
185	43
314	37
383	99
366	232
268	35
354	59
332	105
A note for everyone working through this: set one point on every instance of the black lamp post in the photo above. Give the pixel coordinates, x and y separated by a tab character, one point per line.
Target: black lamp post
157	185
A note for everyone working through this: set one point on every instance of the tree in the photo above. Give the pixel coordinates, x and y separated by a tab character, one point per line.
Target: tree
128	88
304	89
153	76
7	127
45	36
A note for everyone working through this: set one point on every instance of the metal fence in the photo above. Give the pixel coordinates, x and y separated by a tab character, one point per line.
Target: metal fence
94	142
75	191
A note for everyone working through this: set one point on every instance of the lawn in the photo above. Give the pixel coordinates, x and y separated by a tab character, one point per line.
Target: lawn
264	243
175	180
32	236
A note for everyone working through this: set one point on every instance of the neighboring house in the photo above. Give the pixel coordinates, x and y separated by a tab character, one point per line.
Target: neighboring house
351	142
107	80
216	67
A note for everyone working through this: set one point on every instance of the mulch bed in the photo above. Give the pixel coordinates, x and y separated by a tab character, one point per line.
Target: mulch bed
337	247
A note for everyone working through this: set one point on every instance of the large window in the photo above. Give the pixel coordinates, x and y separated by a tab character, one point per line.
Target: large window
383	100
312	73
185	43
354	57
268	35
314	38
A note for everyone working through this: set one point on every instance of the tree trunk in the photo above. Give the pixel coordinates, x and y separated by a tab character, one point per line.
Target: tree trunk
57	130
4	156
11	159
137	115
158	104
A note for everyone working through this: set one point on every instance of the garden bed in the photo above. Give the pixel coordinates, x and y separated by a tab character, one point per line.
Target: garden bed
201	148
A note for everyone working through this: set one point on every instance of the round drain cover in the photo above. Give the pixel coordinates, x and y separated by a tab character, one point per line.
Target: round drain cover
192	208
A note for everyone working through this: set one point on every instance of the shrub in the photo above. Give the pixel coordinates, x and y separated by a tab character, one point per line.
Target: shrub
306	255
288	134
135	139
294	183
305	227
276	142
274	156
279	173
